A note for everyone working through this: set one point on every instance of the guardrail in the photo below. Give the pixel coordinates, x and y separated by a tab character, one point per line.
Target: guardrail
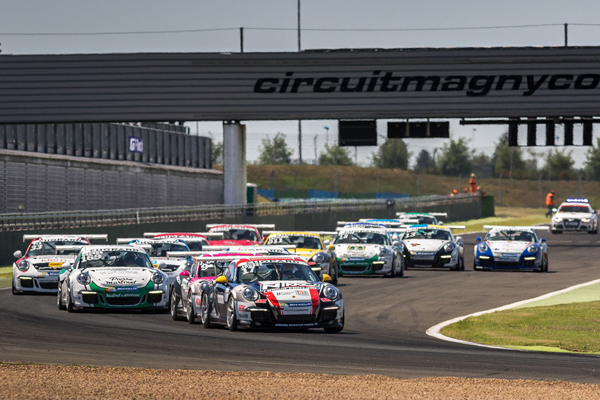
82	219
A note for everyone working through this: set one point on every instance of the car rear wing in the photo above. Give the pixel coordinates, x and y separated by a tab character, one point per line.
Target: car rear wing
320	233
207	234
456	227
200	254
249	248
129	240
433	214
89	237
257	226
69	247
535	227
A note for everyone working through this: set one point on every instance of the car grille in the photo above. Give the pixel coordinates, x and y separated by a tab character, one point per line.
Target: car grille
48	285
571	223
507	263
354	268
123	301
296	319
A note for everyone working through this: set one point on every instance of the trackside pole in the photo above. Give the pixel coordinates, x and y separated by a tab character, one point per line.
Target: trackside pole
234	162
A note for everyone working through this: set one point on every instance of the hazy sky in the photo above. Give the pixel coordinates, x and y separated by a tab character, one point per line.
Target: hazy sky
109	16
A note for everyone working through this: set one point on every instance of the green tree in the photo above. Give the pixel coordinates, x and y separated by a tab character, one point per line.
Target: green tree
455	158
393	153
335	155
592	162
424	162
276	151
559	165
217	153
482	165
510	162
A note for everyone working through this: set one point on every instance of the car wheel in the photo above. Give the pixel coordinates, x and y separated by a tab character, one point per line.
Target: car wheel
205	311
475	267
334	279
232	323
174	304
462	264
336	329
69	302
546	266
189	310
59	301
401	273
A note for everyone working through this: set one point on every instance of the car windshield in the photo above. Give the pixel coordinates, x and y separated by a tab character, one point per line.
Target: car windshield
360	237
574	209
238	234
48	248
427	220
507	235
428	233
161	249
304	242
275	271
210	269
114	258
195	246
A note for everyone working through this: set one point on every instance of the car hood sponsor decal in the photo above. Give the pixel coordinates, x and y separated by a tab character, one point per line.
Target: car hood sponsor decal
576	216
357	251
118	277
51	259
292	297
508	247
425	244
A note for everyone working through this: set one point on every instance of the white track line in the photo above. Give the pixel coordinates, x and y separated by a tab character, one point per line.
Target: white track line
434	331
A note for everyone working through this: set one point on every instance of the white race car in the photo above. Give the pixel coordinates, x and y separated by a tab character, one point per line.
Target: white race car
112	277
575	215
38	270
433	246
422	218
368	249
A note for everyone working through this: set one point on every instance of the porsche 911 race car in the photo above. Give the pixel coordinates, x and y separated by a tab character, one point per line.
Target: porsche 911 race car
38	270
422	218
575	215
272	292
238	235
364	249
309	247
194	240
433	246
112	277
511	247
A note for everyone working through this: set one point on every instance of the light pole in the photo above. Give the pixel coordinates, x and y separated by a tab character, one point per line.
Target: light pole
315	144
299	121
473	139
326	135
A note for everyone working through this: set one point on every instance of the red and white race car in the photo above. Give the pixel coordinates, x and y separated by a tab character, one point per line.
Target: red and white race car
238	235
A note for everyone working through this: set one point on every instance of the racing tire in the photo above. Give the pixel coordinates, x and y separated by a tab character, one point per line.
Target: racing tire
591	232
334	278
69	302
173	306
462	264
401	273
232	323
546	266
475	267
205	311
189	310
336	329
59	301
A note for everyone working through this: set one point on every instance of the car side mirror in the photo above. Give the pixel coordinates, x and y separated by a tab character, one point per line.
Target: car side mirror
326	242
184	273
18	254
331	248
458	238
396	244
221	279
441	223
326	278
555	210
161	266
542	240
478	239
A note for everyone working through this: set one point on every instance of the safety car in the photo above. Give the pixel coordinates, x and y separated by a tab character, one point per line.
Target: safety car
575	215
422	218
433	246
112	277
309	246
238	235
364	249
38	270
272	292
511	247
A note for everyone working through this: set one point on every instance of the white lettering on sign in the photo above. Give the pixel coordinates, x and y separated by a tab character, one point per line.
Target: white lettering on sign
136	144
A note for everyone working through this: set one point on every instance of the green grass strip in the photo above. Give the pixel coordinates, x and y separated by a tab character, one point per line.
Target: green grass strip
476	225
571	327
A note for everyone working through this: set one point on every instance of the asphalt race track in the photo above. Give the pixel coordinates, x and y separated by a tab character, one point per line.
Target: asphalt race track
386	320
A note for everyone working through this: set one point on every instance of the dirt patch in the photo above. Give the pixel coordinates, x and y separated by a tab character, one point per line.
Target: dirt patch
74	382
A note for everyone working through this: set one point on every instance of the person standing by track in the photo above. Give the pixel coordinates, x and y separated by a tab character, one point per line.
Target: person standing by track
550	203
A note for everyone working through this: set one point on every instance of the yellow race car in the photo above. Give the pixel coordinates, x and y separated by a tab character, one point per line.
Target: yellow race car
319	255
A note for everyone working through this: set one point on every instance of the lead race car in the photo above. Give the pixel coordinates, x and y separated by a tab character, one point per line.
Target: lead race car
309	246
112	277
575	215
422	218
272	292
511	247
37	271
238	235
433	246
368	249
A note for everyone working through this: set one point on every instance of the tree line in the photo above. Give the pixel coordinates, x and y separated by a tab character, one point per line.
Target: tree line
454	158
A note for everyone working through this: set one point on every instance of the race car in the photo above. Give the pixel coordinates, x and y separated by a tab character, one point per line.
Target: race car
238	235
368	249
422	218
194	240
511	247
309	247
37	271
575	215
112	277
433	246
272	292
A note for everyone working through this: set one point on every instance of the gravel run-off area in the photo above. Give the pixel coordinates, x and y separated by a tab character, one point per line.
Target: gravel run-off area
23	381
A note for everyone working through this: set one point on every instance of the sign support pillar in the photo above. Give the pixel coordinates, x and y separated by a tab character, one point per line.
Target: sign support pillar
234	162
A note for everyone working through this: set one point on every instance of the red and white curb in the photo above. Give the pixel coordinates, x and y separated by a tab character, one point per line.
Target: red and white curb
434	331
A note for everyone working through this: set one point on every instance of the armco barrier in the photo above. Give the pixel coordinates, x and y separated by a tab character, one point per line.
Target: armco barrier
300	215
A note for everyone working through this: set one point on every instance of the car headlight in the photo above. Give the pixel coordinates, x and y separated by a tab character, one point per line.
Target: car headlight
158	278
383	252
330	292
532	249
449	247
84	278
250	294
319	258
23	265
483	247
585	220
557	219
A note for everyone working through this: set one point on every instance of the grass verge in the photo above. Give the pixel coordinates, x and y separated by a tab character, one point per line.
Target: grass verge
565	327
507	216
5	276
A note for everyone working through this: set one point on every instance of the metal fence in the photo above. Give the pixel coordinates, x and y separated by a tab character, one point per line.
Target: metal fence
162	143
82	219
